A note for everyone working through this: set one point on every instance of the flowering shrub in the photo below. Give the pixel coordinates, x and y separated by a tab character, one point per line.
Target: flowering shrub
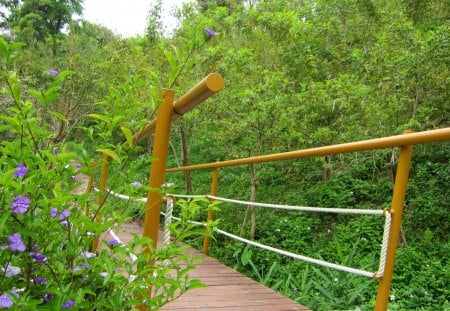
45	235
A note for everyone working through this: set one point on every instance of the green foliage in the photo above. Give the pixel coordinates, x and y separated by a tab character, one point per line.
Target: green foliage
46	234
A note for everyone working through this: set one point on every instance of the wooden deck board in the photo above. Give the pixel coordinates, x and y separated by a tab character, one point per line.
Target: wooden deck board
227	290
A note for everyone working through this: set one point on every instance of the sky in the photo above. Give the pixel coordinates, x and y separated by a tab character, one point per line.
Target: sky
126	17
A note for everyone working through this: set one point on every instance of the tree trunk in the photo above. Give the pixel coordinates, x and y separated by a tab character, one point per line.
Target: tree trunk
185	159
326	172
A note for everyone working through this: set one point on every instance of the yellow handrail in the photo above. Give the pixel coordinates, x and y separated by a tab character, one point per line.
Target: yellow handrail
372	144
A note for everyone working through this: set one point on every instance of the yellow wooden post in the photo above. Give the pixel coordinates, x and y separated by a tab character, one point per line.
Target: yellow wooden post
398	199
101	196
158	166
215	182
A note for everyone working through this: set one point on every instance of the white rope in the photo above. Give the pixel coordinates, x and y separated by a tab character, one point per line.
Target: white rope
384	245
302	208
167	220
185	196
300	257
122	196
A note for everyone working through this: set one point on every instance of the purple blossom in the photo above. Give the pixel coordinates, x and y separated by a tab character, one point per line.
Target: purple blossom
38	257
86	266
11	271
76	268
39	280
53	212
68	304
210	32
5	301
21	171
136	184
48	297
64	214
65	223
113	242
53	72
88	254
20	204
15	243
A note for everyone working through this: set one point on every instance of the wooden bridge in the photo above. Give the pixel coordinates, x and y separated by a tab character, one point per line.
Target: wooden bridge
226	289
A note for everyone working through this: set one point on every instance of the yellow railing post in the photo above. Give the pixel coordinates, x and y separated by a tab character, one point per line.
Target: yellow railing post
215	182
158	166
398	200
101	196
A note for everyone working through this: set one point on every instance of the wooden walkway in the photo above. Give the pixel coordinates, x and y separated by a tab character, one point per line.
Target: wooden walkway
226	289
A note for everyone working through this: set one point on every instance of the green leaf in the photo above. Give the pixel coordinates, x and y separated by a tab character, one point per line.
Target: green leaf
12	121
59	116
110	154
116	120
38	94
15	90
4	47
246	255
128	136
99	117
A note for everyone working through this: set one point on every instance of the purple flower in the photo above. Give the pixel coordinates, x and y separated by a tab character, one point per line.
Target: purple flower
53	212
113	242
88	254
11	271
21	171
136	184
48	297
5	301
38	257
20	204
65	223
68	304
86	266
210	32
15	243
39	280
53	72
76	268
64	214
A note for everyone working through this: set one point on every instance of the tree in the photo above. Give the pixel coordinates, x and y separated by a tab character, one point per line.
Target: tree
35	20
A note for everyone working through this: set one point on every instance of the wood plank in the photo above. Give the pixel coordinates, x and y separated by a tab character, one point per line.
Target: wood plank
227	289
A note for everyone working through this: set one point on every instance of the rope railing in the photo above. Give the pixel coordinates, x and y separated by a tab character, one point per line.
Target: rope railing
378	274
301	208
384	245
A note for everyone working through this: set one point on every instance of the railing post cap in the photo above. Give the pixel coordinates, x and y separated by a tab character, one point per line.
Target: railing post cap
214	82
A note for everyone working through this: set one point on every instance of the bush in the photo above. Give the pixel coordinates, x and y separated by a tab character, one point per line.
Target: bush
45	234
